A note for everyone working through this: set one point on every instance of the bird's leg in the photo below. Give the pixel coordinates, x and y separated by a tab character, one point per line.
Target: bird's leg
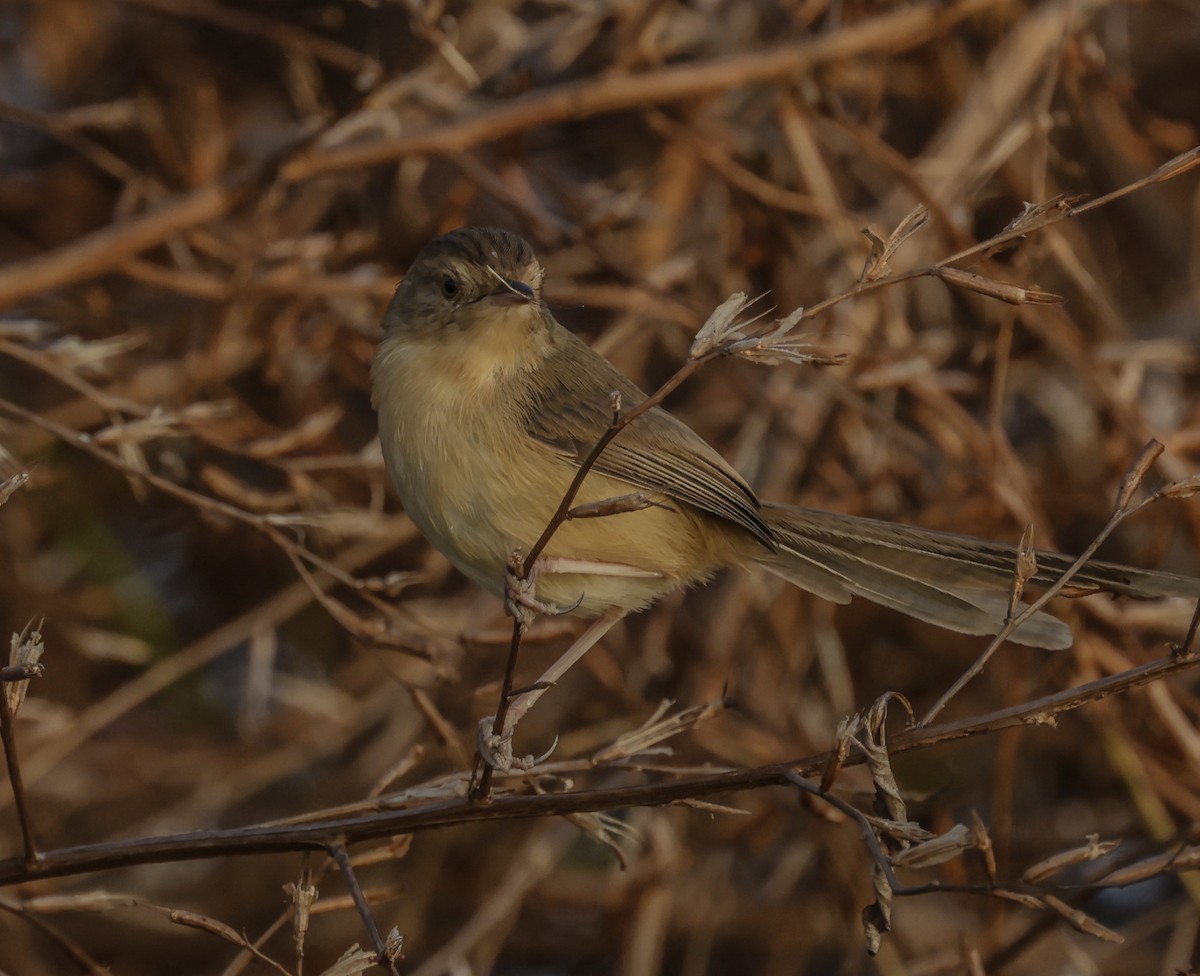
495	747
583	643
521	602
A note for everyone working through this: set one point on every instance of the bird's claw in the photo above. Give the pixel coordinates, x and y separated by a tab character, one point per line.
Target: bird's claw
520	600
497	752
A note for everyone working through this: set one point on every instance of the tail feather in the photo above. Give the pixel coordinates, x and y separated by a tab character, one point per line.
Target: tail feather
955	581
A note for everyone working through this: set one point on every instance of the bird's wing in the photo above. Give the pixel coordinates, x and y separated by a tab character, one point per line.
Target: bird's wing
655	452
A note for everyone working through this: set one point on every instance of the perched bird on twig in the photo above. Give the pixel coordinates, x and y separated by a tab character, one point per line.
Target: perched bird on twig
488	406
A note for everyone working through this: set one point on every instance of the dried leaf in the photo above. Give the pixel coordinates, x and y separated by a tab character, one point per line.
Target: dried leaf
213	926
11	484
882	251
223	484
843	742
1002	290
774	350
1186	859
770	345
874	747
1049	867
1021	898
907	831
107	645
1179	165
658	728
96	900
983	843
1035	215
353	962
719	325
1180	489
25	648
877	917
875	266
937	850
92	358
27	331
393	945
609	830
161	423
314	428
301	898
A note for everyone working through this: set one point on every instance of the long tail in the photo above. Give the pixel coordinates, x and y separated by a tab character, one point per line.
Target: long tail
956	581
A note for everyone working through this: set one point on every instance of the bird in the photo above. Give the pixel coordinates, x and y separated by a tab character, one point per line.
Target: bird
488	406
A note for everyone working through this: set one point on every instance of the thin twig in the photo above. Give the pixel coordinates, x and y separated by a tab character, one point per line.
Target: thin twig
1133	478
895	30
438	814
339	853
481	792
105	249
8	735
21	672
621	420
1186	647
878	855
1047	217
263	523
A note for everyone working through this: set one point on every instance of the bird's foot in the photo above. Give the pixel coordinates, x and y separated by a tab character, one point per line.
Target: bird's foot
520	600
496	749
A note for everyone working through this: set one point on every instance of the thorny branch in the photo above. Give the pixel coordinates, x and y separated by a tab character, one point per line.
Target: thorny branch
403	814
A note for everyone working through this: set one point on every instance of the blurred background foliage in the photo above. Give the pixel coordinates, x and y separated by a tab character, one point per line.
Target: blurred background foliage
204	208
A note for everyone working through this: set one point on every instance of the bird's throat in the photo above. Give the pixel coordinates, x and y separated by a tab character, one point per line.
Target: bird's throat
494	344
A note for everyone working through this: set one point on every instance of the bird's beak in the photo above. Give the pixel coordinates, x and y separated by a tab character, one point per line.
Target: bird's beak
516	293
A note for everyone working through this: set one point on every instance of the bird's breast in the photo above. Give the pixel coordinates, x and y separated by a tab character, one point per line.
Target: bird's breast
452	449
479	485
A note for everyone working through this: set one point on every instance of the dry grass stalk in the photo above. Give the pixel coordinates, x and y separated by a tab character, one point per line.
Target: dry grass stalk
205	205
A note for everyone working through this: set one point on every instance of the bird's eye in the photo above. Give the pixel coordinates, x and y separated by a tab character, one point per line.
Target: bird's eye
449	287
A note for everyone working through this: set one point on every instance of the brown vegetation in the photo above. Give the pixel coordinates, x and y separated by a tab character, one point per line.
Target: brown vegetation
205	208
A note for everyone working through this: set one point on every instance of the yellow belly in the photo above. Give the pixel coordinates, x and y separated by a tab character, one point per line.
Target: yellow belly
479	488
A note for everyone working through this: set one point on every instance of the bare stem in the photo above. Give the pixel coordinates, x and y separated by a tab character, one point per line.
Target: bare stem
339	853
9	737
433	815
619	423
1133	478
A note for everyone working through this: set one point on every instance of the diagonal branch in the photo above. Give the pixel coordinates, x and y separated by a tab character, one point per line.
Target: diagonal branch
351	829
